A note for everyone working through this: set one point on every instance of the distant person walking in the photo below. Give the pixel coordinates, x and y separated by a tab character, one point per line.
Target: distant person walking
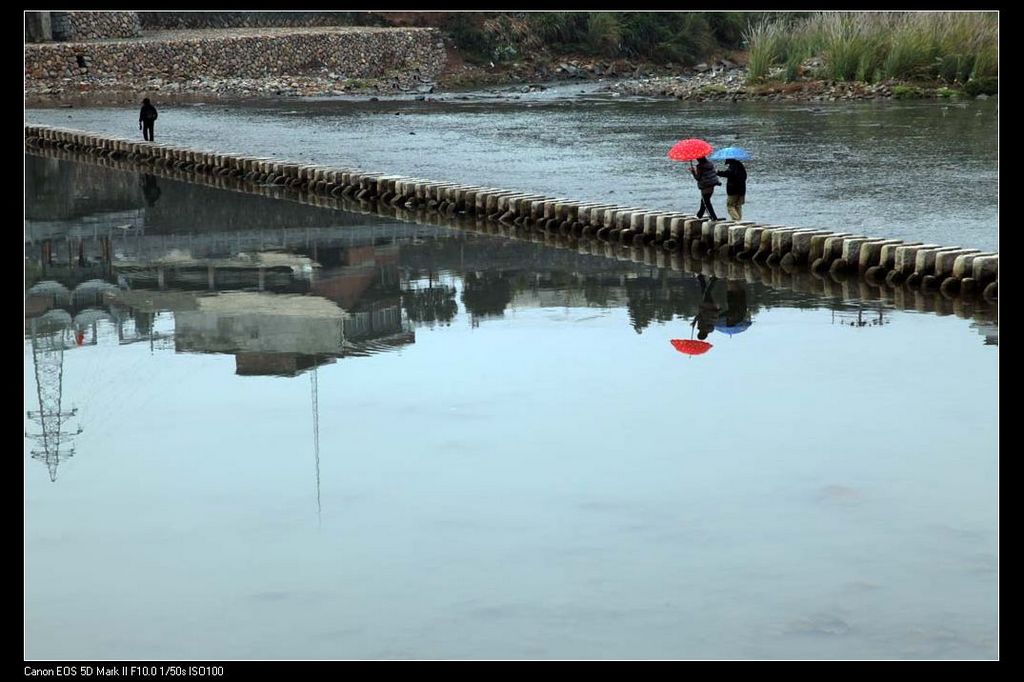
707	179
147	117
736	187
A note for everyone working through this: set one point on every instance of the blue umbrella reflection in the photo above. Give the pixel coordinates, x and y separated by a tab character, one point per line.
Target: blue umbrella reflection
730	329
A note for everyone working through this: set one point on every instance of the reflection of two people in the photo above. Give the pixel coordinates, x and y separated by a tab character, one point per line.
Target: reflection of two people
709	318
150	190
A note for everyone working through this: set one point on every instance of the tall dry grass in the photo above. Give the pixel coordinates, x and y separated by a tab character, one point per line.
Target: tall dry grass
870	46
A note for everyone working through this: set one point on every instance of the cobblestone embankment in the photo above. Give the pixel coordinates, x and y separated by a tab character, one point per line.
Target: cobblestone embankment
238	62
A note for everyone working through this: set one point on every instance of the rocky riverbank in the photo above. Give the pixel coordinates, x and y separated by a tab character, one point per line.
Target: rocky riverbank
113	90
727	81
443	71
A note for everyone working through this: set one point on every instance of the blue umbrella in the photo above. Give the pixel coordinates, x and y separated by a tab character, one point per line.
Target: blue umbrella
731	153
731	329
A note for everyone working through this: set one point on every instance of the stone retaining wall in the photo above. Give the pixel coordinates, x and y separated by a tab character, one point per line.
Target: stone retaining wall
79	26
155	21
68	26
352	52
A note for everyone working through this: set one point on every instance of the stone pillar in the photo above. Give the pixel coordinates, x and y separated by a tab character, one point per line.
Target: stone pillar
803	245
985	269
692	229
906	256
924	260
963	265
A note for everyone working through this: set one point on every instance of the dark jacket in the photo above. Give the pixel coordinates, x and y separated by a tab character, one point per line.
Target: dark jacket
707	309
147	114
736	174
707	178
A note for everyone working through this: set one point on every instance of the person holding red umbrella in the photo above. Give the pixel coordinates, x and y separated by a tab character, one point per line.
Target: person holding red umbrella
707	179
704	173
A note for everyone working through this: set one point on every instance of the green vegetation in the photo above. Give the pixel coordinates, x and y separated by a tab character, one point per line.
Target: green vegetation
906	92
465	32
682	37
766	39
985	85
955	47
603	34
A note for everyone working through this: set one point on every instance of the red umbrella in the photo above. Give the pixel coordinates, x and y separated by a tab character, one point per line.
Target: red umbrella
691	347
689	150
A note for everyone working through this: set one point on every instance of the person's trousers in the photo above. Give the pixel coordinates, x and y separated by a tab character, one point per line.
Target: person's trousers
734	204
147	131
705	203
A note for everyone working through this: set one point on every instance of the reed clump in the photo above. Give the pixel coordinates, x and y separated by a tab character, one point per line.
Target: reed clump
954	47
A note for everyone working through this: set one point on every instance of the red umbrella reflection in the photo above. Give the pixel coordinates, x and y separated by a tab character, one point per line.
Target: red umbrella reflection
691	347
689	150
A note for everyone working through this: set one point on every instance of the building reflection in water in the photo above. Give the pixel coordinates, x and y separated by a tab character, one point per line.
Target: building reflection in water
860	317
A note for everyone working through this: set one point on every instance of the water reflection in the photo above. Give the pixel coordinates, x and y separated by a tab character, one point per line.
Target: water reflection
284	301
485	428
283	314
707	310
737	317
860	317
50	335
150	188
430	303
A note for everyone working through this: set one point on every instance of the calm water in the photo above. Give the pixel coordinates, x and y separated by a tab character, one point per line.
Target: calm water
407	441
917	170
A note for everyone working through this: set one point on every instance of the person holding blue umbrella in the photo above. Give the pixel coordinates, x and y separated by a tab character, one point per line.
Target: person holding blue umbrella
735	174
